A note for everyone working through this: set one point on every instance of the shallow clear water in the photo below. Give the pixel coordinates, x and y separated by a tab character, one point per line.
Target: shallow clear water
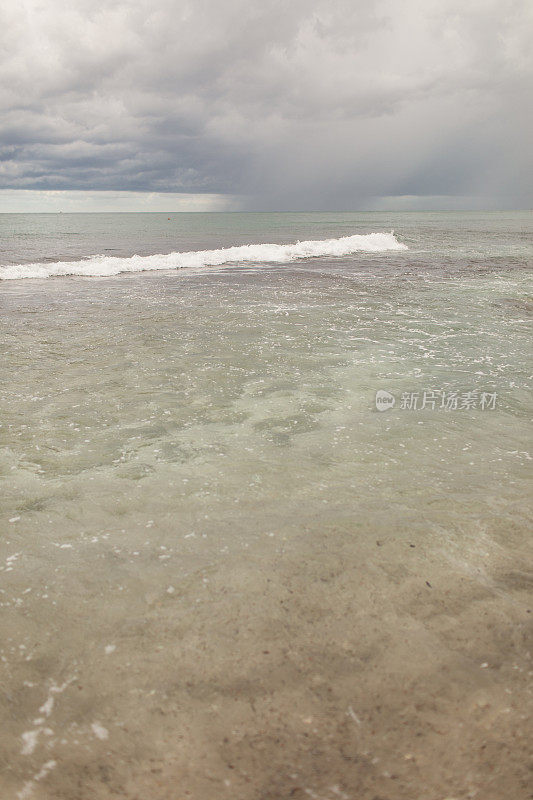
207	523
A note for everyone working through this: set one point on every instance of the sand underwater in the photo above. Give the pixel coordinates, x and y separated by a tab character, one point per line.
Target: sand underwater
225	575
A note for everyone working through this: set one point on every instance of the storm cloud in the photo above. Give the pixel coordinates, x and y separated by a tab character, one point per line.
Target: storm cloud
302	105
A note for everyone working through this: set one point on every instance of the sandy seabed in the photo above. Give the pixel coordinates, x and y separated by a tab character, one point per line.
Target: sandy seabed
225	576
317	667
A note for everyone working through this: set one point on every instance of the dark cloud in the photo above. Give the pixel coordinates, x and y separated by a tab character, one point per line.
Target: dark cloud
308	104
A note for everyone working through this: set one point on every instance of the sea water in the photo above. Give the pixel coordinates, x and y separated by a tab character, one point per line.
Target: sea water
225	567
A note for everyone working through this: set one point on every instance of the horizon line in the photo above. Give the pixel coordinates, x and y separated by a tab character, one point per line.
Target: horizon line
295	211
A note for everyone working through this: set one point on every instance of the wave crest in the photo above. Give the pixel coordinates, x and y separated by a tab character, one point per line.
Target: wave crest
101	266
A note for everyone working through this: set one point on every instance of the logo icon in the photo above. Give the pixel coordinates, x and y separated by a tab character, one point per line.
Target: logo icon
384	400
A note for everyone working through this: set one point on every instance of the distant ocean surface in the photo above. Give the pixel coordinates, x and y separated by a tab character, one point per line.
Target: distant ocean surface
266	506
48	245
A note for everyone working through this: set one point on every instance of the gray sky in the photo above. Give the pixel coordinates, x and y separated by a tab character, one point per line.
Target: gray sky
304	104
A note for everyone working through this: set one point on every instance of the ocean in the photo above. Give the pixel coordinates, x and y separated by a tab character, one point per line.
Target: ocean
265	505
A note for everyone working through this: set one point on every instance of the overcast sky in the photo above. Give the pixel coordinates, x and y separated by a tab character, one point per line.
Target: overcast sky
263	104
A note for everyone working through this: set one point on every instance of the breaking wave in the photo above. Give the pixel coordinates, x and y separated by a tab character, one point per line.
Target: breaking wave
99	265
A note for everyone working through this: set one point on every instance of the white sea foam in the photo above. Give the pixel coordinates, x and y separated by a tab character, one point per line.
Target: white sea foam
99	265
